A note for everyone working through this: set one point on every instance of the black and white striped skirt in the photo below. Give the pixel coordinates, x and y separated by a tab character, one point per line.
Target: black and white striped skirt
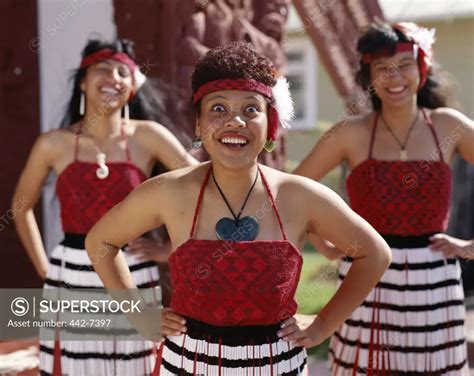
70	267
412	323
230	351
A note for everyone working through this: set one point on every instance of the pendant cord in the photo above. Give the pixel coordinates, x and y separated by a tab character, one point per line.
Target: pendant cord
236	217
404	144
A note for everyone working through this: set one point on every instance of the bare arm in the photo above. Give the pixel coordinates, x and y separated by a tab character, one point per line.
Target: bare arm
325	247
27	194
453	247
465	132
332	219
126	221
328	153
165	147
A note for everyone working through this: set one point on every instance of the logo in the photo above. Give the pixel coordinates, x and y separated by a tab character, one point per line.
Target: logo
20	306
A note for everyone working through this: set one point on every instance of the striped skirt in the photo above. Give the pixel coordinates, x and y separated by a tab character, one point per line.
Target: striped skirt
230	351
412	322
70	267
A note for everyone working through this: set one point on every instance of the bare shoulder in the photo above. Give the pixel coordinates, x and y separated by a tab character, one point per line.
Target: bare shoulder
349	129
145	128
177	183
54	143
446	117
297	189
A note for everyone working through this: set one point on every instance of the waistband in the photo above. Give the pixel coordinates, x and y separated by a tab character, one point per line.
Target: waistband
411	241
232	335
72	240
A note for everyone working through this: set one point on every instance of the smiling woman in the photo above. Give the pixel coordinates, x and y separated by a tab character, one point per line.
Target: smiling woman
234	279
99	157
412	323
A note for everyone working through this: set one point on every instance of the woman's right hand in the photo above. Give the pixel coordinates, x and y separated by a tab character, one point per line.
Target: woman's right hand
172	324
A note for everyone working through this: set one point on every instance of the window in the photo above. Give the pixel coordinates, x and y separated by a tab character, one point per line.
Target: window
302	75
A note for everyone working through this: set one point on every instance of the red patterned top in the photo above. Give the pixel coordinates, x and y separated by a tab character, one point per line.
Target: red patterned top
228	283
84	198
402	197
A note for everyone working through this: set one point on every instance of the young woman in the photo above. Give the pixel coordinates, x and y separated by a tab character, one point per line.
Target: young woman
98	158
235	227
400	182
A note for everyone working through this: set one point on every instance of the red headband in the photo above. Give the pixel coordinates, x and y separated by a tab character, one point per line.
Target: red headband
108	54
246	85
369	57
422	40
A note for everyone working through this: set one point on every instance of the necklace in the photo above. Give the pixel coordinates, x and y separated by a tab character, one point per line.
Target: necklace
403	150
103	171
237	229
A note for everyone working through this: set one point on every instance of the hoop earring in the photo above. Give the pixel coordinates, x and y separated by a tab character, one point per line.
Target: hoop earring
82	104
197	143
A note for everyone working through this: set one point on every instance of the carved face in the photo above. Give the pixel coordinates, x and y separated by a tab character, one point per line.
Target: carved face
271	16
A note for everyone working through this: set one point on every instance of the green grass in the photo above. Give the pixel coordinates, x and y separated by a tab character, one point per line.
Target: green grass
317	285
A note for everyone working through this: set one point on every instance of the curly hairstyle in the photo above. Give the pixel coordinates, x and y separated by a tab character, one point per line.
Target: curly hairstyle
148	103
235	60
380	35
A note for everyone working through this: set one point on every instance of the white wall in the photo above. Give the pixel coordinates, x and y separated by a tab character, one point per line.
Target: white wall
64	26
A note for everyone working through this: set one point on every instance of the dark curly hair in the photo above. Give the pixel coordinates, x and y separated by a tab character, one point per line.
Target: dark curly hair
380	35
234	60
148	103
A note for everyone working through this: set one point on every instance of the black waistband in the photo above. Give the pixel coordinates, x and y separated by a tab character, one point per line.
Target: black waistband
412	241
257	334
74	240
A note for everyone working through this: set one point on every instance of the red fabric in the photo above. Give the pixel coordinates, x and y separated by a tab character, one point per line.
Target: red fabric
402	197
246	85
367	58
57	370
106	54
228	283
230	84
84	198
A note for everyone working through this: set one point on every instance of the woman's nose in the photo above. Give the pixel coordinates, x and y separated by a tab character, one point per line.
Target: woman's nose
233	119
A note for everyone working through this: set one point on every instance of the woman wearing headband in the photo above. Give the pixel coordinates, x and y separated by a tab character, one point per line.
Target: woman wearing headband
400	182
99	157
236	227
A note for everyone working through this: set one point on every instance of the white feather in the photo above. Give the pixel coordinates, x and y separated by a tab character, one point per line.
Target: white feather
140	78
283	101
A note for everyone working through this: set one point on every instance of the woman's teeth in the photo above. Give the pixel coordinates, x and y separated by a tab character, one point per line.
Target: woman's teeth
109	91
396	90
234	141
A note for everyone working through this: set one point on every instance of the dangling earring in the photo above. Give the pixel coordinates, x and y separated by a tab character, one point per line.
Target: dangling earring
82	104
270	145
197	143
126	113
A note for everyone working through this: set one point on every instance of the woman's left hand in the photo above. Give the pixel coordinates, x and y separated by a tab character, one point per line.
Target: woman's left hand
301	330
147	249
452	247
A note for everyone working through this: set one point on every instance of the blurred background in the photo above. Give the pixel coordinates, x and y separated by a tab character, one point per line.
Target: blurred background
311	41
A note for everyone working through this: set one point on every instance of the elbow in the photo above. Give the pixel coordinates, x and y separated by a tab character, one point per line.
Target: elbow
385	256
91	245
19	207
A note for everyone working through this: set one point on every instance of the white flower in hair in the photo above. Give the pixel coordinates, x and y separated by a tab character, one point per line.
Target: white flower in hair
424	38
283	101
139	77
